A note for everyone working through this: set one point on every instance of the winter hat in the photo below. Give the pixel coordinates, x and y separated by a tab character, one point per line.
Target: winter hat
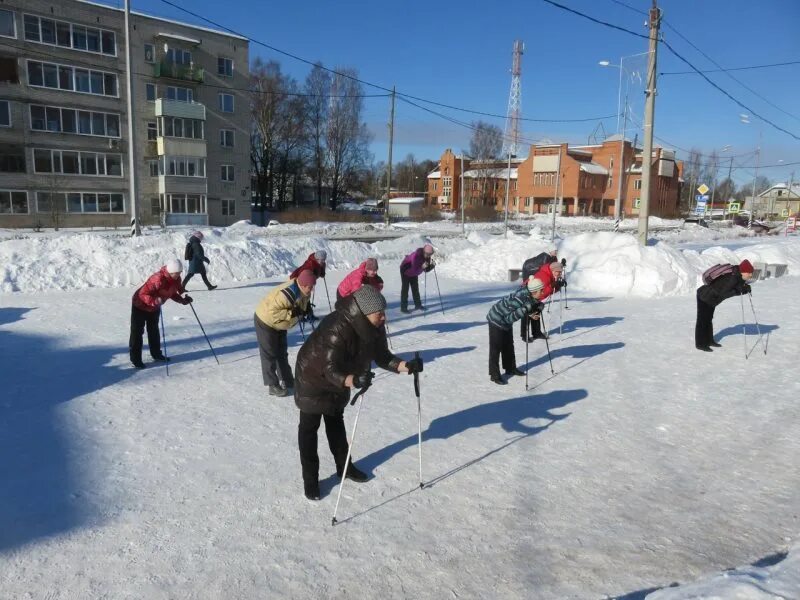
369	300
535	285
427	249
321	255
306	278
174	265
198	235
745	266
556	266
371	264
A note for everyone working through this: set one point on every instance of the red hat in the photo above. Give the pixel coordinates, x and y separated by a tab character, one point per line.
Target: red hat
306	278
745	266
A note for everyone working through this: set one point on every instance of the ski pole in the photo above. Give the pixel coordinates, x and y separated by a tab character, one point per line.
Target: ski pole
302	333
360	397
425	282
755	318
325	281
438	289
547	344
560	315
527	346
204	332
744	330
419	422
164	336
563	269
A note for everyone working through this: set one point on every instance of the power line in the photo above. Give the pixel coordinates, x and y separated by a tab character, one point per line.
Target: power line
721	70
585	16
629	7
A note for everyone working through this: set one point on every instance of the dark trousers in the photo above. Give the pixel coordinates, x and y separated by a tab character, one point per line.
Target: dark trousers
202	274
139	320
307	441
704	327
273	348
501	342
534	328
413	282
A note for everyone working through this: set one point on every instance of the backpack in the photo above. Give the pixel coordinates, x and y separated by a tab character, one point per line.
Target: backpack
188	253
715	272
531	266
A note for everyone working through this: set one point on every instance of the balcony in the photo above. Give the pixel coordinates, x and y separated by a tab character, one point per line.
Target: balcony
170	146
176	108
179	72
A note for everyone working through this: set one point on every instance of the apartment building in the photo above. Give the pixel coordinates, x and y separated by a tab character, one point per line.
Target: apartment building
583	180
64	142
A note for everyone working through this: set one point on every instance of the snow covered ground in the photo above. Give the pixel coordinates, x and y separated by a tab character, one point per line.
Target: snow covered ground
639	464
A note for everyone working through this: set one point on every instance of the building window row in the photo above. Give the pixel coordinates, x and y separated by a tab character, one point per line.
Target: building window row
182	166
177	56
191	204
66	162
72	79
71	120
69	35
79	202
12	159
544	178
13	202
171	92
180	128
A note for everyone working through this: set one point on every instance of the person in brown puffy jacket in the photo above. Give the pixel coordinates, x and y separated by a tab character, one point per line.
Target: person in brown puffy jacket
335	359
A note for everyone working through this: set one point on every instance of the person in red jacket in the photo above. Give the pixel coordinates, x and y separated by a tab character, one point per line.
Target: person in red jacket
314	263
365	274
161	286
550	276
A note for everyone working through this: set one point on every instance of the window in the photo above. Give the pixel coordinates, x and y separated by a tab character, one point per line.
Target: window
182	128
152	131
186	203
224	67
179	57
227	173
183	166
50	75
150	91
13	203
77	163
228	207
12	159
155	207
8	28
226	103
70	120
153	166
68	35
79	202
433	187
637	184
5	113
149	53
180	94
226	138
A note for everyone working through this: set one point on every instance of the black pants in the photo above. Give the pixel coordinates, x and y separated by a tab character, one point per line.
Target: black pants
273	348
414	283
202	274
534	328
139	320
307	441
704	327
501	342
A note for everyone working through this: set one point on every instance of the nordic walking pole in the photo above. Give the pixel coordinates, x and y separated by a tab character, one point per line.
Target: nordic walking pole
325	281
527	345
303	333
419	422
755	318
164	336
438	289
560	315
563	269
547	344
425	282
744	330
360	397
204	332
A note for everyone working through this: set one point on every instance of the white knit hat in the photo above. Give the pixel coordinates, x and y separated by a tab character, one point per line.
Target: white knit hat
535	285
174	265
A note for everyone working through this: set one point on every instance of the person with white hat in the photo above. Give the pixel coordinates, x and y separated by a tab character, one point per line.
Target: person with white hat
163	285
315	263
521	304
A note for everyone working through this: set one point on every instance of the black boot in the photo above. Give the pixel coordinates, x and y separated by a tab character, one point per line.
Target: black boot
311	490
704	348
515	371
353	473
138	364
498	380
160	358
714	344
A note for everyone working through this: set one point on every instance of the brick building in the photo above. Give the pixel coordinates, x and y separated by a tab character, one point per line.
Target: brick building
588	180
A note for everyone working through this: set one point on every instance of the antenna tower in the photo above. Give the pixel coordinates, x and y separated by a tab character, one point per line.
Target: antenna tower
511	135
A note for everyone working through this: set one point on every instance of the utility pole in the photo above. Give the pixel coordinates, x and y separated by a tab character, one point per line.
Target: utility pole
725	200
555	195
136	229
649	113
389	165
620	186
755	177
508	187
461	196
714	185
789	197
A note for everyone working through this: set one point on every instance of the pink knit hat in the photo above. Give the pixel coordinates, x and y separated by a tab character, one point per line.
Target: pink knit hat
371	264
306	278
427	249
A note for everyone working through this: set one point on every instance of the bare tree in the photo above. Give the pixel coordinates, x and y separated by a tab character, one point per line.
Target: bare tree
266	88
317	86
691	175
484	148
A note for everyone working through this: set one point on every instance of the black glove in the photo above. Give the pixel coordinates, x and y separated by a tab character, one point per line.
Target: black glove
188	299
414	365
205	260
558	285
363	380
296	311
746	289
430	267
309	314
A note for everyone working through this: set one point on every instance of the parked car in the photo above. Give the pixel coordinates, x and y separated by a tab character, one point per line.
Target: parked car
697	221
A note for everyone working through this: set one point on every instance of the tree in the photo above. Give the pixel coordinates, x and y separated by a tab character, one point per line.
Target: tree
691	176
266	87
725	190
484	148
317	86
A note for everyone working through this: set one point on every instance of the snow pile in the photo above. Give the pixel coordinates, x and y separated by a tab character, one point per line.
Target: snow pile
780	580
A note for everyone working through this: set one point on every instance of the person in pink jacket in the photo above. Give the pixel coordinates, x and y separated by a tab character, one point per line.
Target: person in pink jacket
365	274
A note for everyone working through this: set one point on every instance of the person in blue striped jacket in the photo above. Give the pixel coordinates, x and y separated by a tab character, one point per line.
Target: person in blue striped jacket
522	304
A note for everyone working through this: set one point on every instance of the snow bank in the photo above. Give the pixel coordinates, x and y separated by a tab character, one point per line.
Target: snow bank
781	580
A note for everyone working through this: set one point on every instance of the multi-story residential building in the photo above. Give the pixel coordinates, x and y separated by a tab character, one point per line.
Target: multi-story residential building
63	118
584	180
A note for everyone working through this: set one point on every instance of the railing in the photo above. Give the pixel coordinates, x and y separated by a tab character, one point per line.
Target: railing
181	72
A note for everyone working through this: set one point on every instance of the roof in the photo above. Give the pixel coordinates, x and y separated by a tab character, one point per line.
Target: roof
593	168
180	38
435	175
491	173
769	192
406	200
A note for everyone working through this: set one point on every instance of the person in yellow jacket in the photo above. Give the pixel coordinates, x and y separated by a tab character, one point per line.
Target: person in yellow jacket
279	311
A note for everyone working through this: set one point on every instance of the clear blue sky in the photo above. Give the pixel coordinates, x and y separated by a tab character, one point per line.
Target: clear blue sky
460	54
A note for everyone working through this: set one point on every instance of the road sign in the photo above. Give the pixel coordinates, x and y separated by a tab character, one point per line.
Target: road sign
734	207
703	189
700	208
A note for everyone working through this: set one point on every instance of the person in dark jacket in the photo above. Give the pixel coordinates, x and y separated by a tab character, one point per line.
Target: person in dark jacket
411	268
522	304
315	263
198	261
710	295
335	359
161	286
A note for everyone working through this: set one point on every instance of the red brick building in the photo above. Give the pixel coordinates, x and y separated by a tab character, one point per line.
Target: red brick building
587	179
